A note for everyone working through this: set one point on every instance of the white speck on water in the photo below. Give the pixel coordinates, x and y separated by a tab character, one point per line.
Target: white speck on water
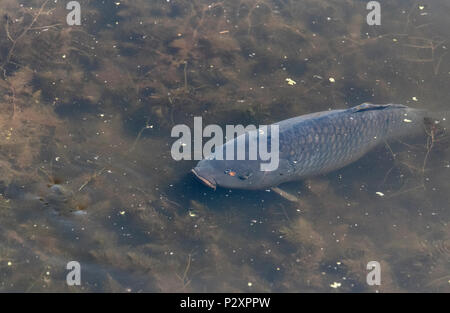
291	82
335	285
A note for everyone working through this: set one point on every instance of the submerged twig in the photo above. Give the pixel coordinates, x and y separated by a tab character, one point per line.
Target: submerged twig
184	279
185	77
92	177
24	32
147	126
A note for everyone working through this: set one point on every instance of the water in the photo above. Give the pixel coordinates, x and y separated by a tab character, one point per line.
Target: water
87	173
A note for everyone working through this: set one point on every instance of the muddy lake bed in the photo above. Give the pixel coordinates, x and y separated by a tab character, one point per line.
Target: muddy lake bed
85	146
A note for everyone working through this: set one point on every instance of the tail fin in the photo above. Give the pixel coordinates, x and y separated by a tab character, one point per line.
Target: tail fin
437	124
440	118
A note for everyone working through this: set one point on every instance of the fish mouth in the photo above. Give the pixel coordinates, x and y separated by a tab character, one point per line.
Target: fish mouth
210	182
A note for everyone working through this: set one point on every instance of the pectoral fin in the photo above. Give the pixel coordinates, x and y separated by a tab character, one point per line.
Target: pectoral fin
284	194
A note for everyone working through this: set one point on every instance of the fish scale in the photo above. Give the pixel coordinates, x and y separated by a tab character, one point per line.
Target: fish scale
353	133
314	144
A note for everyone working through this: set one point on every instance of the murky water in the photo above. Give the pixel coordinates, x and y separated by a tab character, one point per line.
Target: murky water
86	169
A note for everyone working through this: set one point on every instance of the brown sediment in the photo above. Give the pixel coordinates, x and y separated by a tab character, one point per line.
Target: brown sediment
93	106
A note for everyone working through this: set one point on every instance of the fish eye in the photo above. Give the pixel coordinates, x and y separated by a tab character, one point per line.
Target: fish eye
230	172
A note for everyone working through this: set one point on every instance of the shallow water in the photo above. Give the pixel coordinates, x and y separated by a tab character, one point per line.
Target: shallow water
87	174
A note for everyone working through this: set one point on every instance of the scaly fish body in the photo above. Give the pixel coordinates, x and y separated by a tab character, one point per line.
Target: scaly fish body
315	144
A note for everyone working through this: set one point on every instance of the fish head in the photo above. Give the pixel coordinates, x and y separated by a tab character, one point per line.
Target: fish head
240	170
235	174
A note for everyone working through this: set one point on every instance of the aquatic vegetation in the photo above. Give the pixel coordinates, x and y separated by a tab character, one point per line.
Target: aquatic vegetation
85	165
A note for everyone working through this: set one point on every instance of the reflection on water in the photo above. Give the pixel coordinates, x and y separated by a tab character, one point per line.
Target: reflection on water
86	170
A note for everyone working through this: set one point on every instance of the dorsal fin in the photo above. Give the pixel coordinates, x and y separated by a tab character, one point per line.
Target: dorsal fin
370	106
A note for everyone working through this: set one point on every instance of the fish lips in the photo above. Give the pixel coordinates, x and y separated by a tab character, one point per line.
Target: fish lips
205	179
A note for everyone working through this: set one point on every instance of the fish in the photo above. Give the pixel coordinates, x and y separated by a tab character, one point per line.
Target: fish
314	144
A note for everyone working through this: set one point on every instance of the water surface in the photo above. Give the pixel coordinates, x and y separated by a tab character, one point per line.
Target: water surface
87	174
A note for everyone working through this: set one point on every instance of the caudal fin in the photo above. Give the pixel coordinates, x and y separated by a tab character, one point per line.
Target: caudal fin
437	124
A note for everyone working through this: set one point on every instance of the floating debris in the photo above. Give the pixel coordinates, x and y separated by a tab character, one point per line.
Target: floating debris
291	81
335	285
